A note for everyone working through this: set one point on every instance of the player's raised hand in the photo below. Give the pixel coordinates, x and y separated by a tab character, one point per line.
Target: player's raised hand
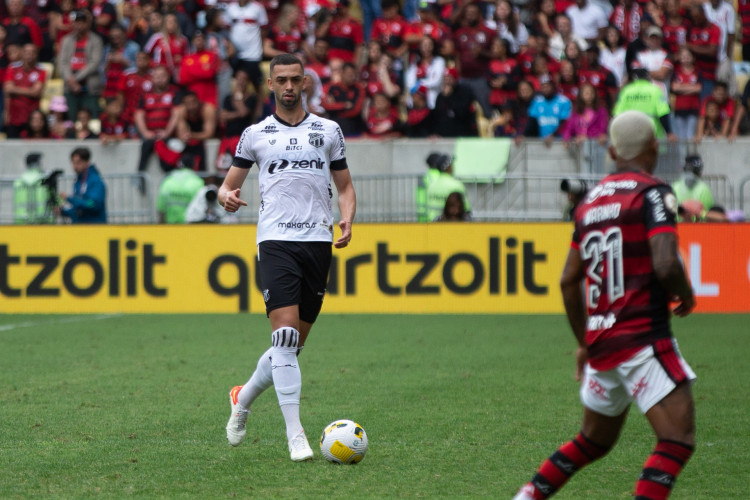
232	202
346	234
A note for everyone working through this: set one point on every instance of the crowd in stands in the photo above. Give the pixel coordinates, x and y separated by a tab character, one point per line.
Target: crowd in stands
173	73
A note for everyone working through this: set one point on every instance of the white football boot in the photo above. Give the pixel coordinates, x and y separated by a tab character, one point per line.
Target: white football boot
299	449
236	425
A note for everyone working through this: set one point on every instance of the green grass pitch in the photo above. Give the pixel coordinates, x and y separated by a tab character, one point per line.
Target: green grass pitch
454	406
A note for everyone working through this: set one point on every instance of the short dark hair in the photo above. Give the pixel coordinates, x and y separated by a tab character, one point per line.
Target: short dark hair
82	153
285	60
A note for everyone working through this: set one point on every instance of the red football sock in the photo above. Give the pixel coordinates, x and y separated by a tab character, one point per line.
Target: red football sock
561	465
661	470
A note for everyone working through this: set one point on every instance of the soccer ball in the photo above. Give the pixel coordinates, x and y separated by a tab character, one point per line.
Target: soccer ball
343	442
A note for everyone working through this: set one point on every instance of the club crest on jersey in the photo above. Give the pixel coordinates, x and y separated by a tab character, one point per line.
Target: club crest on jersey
316	140
272	142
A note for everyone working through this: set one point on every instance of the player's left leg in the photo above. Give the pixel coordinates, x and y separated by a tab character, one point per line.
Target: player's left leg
673	421
661	382
286	339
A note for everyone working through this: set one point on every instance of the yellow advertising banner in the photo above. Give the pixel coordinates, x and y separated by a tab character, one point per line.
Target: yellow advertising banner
388	268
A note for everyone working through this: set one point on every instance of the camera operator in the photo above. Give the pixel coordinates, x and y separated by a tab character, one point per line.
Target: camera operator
88	203
576	190
35	193
205	208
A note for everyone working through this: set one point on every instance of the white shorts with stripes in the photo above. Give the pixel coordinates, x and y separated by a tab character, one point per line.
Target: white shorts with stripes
646	378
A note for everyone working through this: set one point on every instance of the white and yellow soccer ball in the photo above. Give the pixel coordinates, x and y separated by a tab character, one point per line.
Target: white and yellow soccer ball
343	442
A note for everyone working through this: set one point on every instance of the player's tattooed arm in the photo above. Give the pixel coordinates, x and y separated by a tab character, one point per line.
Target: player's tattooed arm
670	271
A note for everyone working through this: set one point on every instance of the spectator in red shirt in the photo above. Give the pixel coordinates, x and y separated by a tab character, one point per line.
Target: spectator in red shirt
21	29
428	25
390	30
288	34
343	33
600	77
377	74
569	82
686	87
626	17
675	27
382	118
133	84
743	11
156	117
105	16
168	46
344	101
113	127
61	22
726	106
419	117
199	71
23	89
473	50
119	56
503	73
704	39
79	63
318	61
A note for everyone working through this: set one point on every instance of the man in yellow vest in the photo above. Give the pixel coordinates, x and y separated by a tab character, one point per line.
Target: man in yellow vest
31	197
441	186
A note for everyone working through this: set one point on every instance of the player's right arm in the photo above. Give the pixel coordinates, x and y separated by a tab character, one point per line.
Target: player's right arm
575	307
229	192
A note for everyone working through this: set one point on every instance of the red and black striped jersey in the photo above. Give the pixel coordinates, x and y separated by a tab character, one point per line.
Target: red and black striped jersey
627	306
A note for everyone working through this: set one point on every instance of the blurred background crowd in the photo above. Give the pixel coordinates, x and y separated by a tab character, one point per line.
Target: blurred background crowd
174	73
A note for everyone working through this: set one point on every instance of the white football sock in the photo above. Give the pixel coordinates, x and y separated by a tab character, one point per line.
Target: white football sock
259	382
287	378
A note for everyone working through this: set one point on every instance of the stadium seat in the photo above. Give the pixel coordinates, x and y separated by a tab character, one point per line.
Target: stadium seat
53	88
49	69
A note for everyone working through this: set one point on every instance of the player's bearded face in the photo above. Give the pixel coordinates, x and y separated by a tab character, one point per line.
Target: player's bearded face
286	84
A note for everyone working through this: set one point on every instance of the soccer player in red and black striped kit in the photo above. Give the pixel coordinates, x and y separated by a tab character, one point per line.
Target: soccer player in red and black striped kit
624	251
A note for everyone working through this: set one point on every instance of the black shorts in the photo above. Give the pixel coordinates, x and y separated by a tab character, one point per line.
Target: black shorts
294	273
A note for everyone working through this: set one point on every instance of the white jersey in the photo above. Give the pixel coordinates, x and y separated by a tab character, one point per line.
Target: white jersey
294	176
245	25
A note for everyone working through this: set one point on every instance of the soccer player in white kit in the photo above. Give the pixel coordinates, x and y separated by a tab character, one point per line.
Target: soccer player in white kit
297	155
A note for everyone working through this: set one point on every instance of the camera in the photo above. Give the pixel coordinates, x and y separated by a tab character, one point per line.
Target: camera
211	194
576	187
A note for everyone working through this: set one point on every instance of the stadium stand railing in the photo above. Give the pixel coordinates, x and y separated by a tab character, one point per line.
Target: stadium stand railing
529	189
126	202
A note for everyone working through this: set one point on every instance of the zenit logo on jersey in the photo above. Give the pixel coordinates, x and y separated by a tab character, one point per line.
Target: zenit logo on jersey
279	165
